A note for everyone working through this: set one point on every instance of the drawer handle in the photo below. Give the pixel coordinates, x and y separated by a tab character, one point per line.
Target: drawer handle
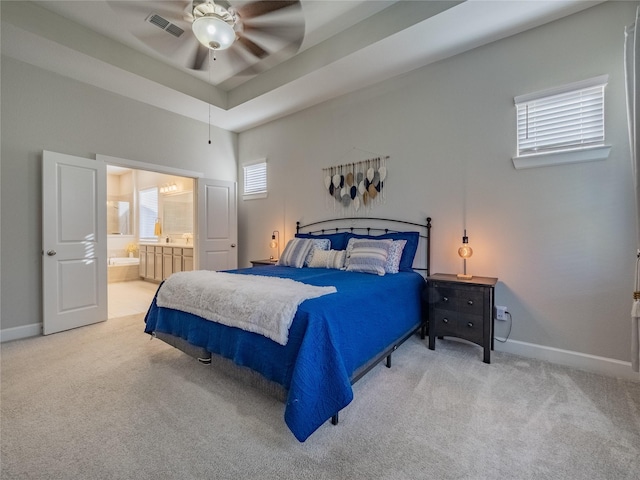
470	325
445	299
445	320
469	302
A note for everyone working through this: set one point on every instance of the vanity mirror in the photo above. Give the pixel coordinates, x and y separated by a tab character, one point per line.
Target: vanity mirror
119	217
177	213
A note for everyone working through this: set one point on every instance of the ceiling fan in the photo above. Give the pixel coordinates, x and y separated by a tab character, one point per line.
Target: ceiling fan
252	34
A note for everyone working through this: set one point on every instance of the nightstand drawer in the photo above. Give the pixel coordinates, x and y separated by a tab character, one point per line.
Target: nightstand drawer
444	298
445	322
454	324
460	300
470	302
470	328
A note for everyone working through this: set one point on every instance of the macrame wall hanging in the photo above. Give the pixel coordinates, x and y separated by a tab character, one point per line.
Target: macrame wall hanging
356	185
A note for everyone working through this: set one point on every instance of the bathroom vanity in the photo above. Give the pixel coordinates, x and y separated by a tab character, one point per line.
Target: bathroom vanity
158	261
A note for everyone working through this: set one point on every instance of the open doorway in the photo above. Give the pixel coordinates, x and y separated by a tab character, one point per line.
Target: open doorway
150	234
79	297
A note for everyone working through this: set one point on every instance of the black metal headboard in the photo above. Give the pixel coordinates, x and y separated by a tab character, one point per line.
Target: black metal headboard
358	225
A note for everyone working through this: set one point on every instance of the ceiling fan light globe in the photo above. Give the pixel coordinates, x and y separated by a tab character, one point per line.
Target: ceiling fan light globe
213	32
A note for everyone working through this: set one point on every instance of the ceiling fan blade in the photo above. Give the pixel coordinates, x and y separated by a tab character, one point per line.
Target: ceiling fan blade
255	9
253	47
159	41
199	57
293	34
170	10
236	62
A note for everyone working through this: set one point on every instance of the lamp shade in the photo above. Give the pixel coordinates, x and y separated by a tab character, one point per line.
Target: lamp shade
213	32
465	251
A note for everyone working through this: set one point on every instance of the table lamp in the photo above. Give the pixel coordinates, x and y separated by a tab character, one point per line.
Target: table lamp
274	243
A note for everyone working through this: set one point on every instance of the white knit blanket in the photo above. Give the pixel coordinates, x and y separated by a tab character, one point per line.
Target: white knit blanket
255	303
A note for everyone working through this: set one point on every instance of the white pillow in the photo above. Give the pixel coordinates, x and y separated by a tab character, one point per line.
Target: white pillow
367	256
395	254
295	252
317	244
328	259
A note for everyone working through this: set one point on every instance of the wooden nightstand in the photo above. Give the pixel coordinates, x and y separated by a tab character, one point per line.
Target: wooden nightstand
263	263
462	308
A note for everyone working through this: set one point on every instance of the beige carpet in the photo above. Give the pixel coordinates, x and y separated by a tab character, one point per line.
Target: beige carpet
106	402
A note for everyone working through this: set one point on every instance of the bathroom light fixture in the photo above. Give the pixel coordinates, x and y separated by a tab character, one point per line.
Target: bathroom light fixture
465	251
169	188
275	243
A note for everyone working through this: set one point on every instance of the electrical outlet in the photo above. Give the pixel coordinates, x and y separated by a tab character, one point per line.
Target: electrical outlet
501	312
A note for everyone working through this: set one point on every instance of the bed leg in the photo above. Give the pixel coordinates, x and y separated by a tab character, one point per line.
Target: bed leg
334	419
395	347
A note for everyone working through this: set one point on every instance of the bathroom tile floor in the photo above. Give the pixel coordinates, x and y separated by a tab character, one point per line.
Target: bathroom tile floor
129	298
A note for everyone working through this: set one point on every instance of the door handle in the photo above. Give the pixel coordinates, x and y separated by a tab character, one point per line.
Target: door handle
51	253
233	245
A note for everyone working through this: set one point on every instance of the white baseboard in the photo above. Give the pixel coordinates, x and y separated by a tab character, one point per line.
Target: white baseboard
583	361
16	333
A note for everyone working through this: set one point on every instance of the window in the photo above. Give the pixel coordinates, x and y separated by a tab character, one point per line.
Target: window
255	180
562	125
148	212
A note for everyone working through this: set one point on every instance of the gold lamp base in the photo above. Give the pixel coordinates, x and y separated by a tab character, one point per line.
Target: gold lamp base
464	276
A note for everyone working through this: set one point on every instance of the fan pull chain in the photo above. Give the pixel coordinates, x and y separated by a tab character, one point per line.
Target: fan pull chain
210	67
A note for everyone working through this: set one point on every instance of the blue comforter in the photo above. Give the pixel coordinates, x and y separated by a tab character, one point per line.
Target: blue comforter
329	339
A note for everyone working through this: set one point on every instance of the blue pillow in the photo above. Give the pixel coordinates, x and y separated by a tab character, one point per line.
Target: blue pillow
410	249
338	240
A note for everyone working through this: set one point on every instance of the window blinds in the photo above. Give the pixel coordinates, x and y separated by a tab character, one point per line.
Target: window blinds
148	212
566	118
255	178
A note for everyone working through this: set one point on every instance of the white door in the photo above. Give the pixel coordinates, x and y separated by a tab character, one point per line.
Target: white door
74	242
217	225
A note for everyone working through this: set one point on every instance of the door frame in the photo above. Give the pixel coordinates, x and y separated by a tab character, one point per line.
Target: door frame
152	167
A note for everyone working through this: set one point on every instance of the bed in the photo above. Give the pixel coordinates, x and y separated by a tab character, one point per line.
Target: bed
333	339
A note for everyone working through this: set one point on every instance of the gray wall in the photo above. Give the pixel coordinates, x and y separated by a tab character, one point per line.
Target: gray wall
45	111
561	239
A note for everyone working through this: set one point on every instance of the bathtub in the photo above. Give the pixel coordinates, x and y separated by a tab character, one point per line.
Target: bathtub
124	261
123	269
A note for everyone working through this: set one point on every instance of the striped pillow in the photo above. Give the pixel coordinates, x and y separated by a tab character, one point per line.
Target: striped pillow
295	252
367	256
328	259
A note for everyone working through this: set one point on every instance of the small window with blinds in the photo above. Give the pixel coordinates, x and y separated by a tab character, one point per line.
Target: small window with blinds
255	180
561	125
148	213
